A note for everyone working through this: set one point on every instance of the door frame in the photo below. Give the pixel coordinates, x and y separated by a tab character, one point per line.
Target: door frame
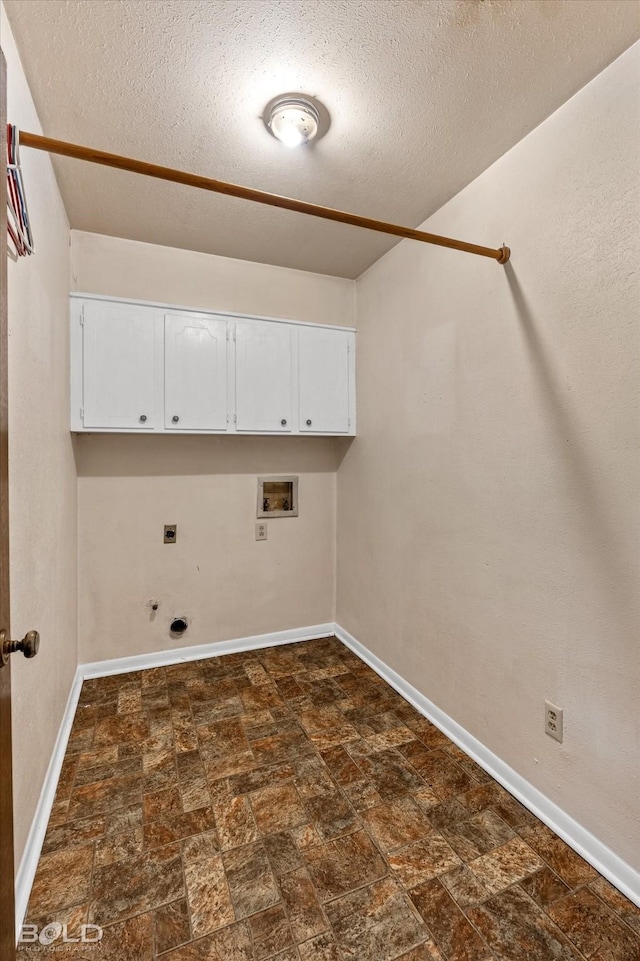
7	868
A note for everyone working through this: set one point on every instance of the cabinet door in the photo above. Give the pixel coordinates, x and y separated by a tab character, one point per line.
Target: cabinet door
118	350
324	380
195	372
263	376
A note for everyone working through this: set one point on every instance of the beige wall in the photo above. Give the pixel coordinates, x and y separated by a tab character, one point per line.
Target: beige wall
225	582
217	574
169	275
488	510
42	475
488	522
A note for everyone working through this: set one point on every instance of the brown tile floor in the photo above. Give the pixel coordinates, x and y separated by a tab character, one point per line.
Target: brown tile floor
287	804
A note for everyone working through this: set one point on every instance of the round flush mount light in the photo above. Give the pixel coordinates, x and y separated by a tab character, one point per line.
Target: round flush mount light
295	120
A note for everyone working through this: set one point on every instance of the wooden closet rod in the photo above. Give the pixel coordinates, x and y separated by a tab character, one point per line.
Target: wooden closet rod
501	254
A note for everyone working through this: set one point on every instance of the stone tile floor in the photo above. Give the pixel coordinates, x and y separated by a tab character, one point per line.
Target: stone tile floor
287	804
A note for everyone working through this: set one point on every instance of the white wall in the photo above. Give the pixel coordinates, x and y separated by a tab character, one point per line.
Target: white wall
488	518
216	574
42	475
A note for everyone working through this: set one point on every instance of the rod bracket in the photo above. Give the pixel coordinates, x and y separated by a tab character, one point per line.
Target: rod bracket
505	253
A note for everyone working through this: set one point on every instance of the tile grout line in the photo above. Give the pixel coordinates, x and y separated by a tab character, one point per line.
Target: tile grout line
609	864
516	884
357	813
587	886
182	861
438	878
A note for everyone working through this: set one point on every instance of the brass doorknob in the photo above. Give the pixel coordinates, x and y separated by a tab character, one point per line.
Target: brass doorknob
29	645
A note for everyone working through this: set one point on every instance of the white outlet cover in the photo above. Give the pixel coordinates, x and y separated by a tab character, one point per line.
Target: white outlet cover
262	531
553	721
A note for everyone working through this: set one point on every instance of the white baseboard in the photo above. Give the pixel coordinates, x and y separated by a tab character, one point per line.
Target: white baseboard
29	861
123	665
141	662
625	878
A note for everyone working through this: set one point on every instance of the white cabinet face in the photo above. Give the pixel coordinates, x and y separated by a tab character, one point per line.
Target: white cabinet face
118	366
195	372
324	380
160	368
263	376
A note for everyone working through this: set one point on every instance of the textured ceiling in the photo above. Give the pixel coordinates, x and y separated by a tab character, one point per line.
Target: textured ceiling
423	96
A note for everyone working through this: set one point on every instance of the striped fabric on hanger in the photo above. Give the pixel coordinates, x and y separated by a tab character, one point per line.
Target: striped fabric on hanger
18	224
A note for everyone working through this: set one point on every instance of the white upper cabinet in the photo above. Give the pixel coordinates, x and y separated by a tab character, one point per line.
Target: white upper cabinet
264	382
163	369
195	372
325	369
118	365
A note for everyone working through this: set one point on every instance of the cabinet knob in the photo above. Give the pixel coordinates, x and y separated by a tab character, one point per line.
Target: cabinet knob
142	418
175	418
309	422
284	421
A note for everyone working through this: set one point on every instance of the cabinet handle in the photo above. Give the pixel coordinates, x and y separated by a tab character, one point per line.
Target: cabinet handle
142	418
175	418
284	421
309	423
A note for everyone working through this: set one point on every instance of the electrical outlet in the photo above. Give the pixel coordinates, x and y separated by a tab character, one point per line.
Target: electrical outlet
553	721
261	532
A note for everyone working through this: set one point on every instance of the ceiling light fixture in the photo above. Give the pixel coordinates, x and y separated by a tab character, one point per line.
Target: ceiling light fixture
293	120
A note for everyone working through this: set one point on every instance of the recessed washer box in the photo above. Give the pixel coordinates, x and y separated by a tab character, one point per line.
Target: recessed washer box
277	497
